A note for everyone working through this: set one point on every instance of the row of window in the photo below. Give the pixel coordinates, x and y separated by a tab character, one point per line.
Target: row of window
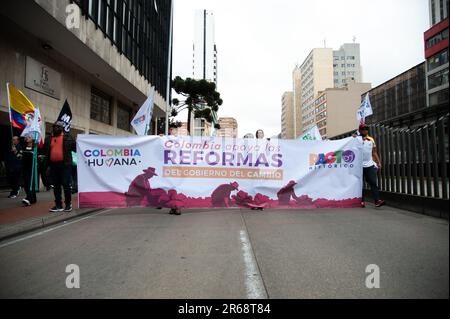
321	116
322	124
350	57
438	79
139	29
101	110
349	65
437	60
437	38
343	73
321	108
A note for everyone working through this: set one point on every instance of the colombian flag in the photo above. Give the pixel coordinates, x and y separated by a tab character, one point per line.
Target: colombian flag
20	107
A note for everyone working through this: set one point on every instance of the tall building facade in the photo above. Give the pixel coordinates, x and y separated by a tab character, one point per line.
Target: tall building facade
297	100
204	62
316	75
228	127
347	65
436	54
104	66
335	108
323	68
287	115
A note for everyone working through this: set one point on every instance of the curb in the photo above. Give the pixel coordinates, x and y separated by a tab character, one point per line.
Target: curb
29	225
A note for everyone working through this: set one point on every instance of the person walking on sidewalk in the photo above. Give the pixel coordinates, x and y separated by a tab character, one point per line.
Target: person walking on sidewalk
29	172
371	164
58	150
13	162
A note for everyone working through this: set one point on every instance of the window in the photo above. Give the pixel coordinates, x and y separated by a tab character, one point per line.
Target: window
440	97
100	106
123	117
138	31
437	38
437	60
438	79
433	12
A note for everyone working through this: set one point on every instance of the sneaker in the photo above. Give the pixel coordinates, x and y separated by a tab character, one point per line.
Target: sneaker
380	203
26	202
175	211
56	209
12	196
68	208
363	205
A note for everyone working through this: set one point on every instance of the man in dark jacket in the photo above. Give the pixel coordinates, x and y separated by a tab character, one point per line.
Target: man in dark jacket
58	150
13	161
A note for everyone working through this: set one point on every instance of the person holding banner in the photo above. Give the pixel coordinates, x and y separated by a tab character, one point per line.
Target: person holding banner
371	164
58	150
259	134
29	171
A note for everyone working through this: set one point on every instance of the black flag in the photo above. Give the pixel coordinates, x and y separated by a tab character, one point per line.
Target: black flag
66	116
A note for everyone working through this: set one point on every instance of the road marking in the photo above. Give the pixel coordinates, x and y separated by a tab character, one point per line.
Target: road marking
51	229
253	281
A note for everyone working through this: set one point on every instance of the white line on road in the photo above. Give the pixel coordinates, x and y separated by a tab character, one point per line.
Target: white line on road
51	229
253	281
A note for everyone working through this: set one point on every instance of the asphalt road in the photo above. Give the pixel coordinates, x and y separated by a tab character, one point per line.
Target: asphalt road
147	253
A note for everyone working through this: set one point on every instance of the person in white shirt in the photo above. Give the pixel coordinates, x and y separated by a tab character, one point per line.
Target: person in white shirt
371	164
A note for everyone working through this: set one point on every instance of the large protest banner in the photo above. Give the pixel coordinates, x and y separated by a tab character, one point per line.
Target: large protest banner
205	172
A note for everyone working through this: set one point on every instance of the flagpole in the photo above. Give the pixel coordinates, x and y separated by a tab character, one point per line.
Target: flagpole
9	108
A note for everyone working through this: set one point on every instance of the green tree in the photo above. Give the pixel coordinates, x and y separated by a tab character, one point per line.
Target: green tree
200	97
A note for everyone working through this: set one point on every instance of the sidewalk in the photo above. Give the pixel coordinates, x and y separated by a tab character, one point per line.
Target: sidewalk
16	218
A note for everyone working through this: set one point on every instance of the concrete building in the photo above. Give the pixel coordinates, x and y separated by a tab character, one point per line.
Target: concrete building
323	68
102	65
204	62
287	115
436	54
316	75
335	109
297	100
347	65
228	127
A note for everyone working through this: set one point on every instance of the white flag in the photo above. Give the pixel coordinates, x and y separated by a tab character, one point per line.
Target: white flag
364	110
141	122
33	128
312	134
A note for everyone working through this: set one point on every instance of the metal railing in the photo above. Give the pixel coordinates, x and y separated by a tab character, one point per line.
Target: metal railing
415	160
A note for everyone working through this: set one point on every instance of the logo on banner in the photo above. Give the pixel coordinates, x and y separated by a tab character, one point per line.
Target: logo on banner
336	159
112	157
139	120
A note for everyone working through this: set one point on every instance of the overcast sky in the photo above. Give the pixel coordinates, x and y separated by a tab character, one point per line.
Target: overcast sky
260	41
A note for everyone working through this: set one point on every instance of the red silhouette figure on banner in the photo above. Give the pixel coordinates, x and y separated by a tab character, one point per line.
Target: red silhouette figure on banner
284	195
221	195
242	198
176	201
139	188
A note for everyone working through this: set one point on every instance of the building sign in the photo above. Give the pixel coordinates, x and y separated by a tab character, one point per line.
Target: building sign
43	79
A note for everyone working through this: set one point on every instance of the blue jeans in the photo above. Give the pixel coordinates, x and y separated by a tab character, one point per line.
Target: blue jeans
370	176
61	176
